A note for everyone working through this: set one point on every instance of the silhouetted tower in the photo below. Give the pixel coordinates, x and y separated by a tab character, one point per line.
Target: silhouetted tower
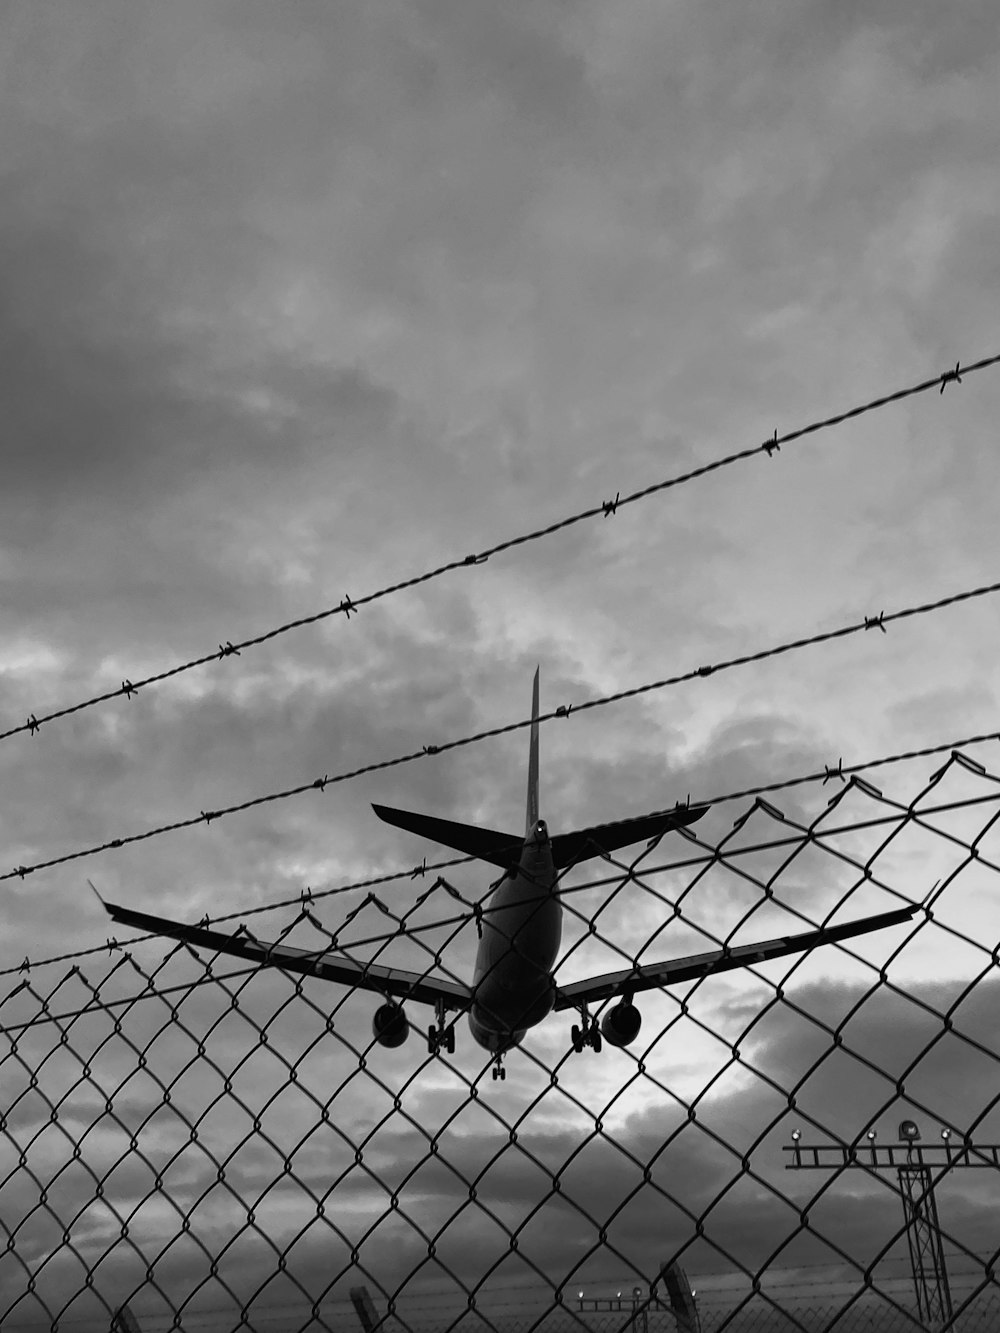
923	1235
913	1163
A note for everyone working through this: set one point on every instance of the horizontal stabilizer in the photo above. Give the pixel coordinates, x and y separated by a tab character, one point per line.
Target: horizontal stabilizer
499	849
569	848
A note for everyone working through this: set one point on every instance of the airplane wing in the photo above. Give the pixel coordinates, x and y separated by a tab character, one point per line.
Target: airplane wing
651	976
571	848
392	981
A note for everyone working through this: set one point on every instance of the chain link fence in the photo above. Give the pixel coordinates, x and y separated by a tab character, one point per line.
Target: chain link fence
190	1142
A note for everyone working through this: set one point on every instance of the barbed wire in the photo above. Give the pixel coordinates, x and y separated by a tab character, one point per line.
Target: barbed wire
564	711
528	1293
348	605
478	911
818	834
310	895
425	1303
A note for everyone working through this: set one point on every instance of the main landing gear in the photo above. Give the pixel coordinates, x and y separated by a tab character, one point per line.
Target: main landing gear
498	1070
438	1035
588	1034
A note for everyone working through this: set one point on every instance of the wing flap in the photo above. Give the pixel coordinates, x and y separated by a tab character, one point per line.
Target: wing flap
392	981
651	976
570	848
499	849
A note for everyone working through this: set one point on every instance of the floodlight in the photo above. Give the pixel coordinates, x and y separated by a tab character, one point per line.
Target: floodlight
908	1130
796	1135
871	1136
946	1134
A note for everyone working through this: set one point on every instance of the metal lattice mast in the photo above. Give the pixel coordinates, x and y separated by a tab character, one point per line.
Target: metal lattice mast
912	1162
923	1235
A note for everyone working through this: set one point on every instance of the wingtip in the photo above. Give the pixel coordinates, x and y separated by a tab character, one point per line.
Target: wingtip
112	909
687	814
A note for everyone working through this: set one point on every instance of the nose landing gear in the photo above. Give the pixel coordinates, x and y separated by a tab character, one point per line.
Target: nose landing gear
498	1070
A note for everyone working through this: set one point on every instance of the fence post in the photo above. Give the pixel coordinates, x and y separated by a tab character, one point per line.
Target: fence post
681	1297
363	1304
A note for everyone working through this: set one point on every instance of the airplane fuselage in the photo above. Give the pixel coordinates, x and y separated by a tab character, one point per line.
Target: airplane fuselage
522	927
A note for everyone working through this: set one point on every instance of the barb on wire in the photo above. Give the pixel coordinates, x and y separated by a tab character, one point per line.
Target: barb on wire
347	605
951	377
208	816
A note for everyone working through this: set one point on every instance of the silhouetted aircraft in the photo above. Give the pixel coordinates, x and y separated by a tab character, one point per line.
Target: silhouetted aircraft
513	986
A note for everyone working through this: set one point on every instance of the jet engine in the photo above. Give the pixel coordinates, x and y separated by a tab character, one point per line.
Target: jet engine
390	1025
621	1024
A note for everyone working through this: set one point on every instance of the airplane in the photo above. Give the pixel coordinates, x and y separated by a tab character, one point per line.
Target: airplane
513	987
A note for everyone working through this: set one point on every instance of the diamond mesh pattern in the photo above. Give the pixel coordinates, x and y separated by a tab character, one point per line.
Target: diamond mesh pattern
224	1146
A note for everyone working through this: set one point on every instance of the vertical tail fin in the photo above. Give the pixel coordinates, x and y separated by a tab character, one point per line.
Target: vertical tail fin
532	815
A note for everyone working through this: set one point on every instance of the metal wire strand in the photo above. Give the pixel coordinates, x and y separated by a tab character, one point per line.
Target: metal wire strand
320	784
348	606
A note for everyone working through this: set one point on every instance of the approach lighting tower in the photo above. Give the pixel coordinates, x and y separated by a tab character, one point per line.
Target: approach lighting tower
913	1162
680	1301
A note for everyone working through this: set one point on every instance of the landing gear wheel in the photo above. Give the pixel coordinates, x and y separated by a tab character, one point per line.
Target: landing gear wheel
498	1070
438	1035
438	1038
589	1034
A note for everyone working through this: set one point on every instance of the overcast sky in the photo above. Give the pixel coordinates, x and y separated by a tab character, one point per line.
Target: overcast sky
298	301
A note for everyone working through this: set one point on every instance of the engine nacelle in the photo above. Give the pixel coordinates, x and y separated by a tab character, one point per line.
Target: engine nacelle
621	1024
390	1025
